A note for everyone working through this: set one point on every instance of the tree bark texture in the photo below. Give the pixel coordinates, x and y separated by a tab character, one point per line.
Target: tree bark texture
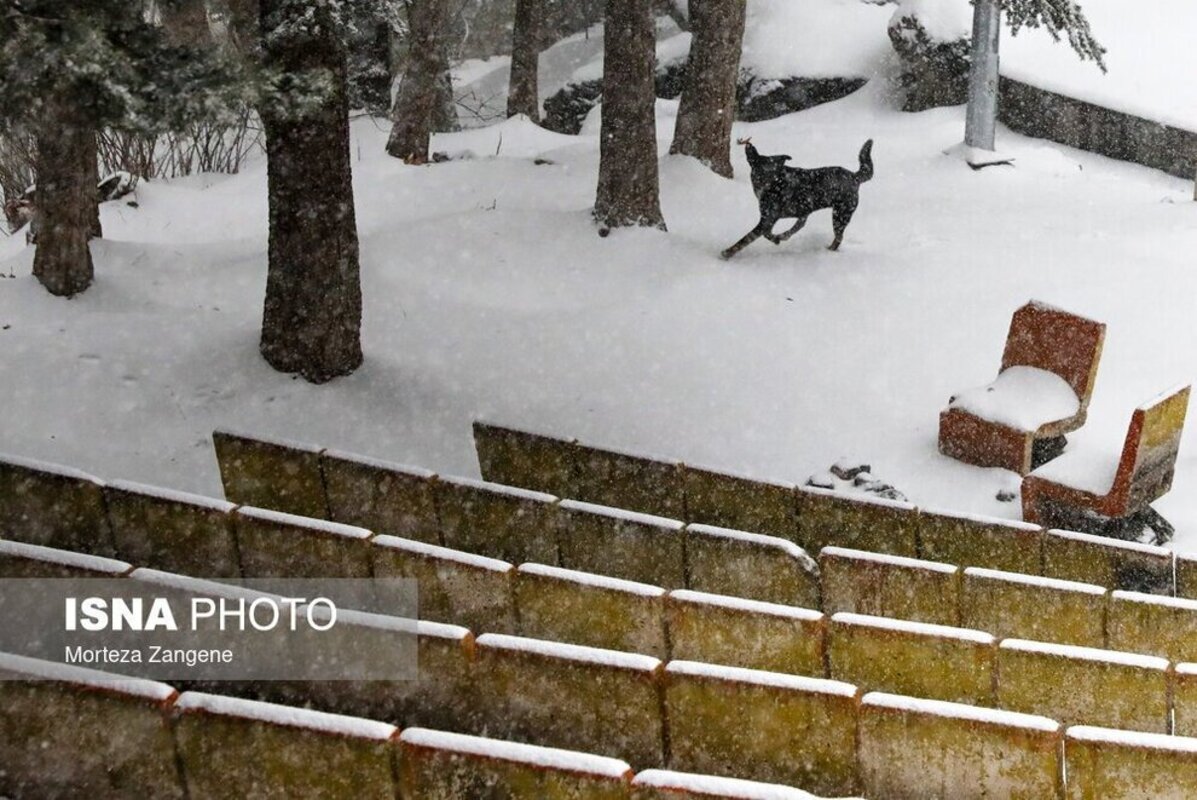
524	94
708	104
311	323
244	31
981	116
628	182
66	198
186	22
422	89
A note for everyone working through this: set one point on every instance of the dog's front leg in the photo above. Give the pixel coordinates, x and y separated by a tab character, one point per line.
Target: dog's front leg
781	237
762	228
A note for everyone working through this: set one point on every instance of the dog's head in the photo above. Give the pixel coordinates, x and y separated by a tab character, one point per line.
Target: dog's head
758	161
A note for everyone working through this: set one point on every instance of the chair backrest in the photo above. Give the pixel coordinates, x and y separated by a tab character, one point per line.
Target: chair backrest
1058	342
1152	444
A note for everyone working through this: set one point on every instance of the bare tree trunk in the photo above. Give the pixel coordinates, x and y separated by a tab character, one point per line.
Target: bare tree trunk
708	105
981	118
628	182
419	93
243	22
186	22
66	199
311	323
524	94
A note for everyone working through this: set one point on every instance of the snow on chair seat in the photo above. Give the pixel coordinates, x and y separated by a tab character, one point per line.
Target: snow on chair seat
1100	495
1041	393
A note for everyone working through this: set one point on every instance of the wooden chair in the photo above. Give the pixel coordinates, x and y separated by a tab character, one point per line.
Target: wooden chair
1085	491
1041	393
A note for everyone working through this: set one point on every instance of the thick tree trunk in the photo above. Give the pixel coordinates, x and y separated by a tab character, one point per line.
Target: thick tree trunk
708	105
524	94
65	199
628	182
186	22
981	119
371	84
311	323
422	89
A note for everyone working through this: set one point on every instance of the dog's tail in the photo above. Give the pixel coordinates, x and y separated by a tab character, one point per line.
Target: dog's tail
866	162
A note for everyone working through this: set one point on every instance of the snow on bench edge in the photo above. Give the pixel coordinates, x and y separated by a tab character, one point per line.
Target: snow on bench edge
1164	395
202	586
569	652
742	476
1034	580
1108	541
519	429
760	677
1001	522
49	467
66	558
37	669
388	622
1179	603
286	716
918	628
746	605
378	463
790	549
1136	739
633	454
862	499
310	523
592	580
278	441
173	495
445	553
624	515
717	786
497	488
543	757
885	558
1086	654
942	708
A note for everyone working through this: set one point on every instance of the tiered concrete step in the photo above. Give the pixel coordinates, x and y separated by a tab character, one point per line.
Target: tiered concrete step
903	707
199	745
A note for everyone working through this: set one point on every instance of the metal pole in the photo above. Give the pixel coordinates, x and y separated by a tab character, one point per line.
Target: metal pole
981	118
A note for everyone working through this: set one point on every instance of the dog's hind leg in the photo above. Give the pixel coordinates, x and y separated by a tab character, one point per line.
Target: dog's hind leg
762	229
840	218
778	238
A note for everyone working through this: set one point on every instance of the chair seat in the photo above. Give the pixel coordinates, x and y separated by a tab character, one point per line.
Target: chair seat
1023	398
1091	469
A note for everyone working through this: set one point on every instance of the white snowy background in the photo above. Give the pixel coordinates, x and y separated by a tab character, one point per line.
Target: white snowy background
489	294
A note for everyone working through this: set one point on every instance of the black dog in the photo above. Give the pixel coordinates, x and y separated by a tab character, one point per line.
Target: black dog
787	192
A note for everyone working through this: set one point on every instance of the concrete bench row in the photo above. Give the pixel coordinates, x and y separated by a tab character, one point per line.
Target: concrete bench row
1008	605
815	518
74	731
941	661
68	730
59	507
577	697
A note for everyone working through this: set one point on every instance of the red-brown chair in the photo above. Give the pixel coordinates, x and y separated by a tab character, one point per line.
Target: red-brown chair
1041	393
1097	493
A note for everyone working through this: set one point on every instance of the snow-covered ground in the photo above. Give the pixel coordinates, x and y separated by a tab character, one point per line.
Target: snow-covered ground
489	294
